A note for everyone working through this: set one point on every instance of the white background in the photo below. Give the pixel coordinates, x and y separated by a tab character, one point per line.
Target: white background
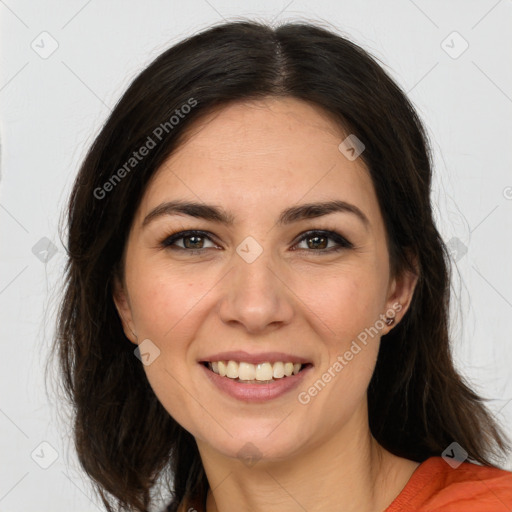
53	107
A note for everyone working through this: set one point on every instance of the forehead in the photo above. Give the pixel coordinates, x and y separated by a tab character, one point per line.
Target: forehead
261	156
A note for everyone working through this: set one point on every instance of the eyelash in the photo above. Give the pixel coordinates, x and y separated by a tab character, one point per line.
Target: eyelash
342	242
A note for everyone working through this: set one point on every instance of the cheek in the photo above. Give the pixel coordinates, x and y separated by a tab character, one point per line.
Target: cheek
347	310
168	311
347	305
345	301
163	300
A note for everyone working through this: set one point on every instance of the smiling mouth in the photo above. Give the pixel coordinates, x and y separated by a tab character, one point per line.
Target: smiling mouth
262	373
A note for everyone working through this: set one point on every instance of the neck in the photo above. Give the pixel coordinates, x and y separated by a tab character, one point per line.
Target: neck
349	471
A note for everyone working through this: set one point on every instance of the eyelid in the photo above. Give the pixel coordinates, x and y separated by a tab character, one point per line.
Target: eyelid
178	235
341	241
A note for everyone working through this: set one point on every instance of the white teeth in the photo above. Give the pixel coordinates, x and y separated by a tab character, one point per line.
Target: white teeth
232	370
246	371
222	368
278	372
262	372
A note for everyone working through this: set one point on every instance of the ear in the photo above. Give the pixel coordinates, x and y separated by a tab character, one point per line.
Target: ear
122	304
400	292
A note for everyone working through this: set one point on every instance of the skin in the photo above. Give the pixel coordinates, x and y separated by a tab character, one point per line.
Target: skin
255	159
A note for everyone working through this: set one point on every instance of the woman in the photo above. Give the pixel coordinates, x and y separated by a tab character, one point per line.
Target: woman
257	297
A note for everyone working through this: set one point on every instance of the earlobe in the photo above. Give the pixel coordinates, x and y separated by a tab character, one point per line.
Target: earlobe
123	309
401	293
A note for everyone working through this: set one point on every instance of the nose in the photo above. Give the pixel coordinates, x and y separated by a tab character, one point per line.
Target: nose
256	295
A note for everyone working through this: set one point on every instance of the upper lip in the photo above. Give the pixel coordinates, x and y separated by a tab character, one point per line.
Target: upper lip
262	357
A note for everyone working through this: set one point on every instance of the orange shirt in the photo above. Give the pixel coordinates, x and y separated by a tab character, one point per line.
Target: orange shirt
437	487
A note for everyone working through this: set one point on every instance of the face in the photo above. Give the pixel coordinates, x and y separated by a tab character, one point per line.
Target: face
308	284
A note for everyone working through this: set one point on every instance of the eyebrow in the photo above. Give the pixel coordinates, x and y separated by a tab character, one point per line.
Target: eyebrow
217	214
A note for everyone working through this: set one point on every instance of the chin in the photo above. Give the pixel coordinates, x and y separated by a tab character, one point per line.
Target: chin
257	442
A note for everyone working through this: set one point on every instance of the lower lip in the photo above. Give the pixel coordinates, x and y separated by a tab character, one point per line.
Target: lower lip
256	392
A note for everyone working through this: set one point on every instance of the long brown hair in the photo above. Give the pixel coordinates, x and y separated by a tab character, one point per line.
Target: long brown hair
418	403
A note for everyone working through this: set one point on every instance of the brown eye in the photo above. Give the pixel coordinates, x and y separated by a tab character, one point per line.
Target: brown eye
193	240
318	241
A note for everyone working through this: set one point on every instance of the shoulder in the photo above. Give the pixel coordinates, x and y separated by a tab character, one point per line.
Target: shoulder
468	487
